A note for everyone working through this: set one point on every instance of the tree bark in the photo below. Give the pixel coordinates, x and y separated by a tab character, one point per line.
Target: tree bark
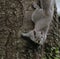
15	18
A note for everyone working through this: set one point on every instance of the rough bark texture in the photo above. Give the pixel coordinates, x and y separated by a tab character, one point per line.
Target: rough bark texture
15	18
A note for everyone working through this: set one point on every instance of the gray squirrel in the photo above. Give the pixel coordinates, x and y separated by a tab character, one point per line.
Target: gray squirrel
42	18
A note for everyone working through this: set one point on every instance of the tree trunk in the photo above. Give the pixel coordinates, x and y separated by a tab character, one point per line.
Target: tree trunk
15	15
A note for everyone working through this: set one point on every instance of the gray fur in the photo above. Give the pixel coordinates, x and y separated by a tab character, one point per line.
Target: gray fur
42	18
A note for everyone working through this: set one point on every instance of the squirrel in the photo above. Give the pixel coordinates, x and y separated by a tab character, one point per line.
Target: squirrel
42	18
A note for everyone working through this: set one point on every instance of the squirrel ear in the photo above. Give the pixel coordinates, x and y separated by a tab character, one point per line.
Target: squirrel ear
35	5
